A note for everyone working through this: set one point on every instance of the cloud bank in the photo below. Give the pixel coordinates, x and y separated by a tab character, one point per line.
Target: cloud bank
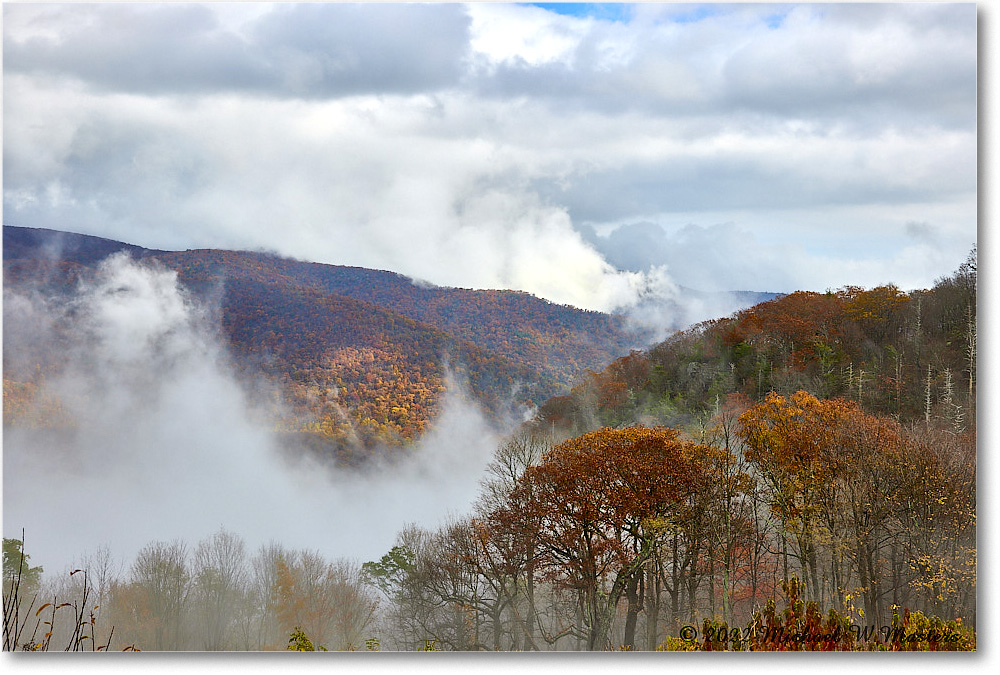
162	443
777	147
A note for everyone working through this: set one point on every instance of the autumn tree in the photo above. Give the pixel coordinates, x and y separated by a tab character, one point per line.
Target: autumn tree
504	544
602	502
939	536
326	600
863	498
878	311
729	500
788	441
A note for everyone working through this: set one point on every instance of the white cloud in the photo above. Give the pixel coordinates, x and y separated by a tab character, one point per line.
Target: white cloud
507	33
343	134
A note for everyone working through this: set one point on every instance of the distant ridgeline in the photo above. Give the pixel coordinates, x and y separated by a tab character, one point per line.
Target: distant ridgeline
360	356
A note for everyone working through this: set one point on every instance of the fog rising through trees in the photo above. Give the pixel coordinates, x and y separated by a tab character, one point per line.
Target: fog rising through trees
164	443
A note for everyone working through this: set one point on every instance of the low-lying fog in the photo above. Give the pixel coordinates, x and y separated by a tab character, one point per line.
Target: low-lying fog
164	443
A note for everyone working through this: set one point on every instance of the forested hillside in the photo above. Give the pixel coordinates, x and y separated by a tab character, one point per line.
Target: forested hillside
911	356
361	357
558	340
801	475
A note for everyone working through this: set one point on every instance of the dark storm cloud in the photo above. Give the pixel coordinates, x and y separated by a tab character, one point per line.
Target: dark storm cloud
306	50
920	231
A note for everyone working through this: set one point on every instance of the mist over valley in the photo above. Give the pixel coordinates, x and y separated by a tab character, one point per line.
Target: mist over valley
174	393
491	326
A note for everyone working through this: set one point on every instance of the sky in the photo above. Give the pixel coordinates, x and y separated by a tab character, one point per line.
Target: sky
595	155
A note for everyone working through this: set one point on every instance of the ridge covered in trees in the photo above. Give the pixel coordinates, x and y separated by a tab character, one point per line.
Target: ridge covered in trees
911	356
360	357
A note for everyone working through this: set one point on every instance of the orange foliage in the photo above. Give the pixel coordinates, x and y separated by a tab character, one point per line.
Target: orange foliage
877	311
800	319
29	404
597	504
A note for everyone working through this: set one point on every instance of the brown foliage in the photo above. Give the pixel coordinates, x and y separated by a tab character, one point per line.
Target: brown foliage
598	503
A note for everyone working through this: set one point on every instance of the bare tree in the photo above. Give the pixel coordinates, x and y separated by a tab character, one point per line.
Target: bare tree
161	576
220	586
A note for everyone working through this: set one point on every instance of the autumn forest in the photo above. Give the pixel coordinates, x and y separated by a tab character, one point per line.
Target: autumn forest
799	475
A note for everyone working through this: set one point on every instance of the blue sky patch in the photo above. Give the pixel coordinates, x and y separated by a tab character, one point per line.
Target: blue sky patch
697	13
776	19
603	11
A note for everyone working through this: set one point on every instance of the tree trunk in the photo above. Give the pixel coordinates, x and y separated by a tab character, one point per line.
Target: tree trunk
632	615
529	625
652	608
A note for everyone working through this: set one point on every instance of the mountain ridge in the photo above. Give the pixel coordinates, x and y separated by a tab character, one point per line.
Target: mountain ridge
360	356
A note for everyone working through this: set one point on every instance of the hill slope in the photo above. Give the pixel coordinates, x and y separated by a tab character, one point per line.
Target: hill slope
361	356
911	356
